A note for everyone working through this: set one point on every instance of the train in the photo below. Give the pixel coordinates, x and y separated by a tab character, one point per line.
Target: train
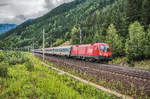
97	51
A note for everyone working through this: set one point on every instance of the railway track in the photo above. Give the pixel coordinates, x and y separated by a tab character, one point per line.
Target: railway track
140	78
90	83
127	71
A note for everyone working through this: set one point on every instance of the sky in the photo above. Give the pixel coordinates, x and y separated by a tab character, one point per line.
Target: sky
17	11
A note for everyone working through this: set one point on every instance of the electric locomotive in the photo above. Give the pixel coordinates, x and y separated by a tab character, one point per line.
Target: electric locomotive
95	51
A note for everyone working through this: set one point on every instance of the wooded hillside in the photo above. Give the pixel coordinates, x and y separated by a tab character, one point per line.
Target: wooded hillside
124	24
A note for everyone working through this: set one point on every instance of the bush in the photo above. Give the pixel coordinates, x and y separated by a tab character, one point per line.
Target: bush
18	60
3	69
13	58
2	57
9	58
30	66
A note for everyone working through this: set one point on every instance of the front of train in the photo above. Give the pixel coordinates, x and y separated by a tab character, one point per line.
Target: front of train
104	51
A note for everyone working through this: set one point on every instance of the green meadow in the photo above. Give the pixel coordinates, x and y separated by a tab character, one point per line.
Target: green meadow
22	76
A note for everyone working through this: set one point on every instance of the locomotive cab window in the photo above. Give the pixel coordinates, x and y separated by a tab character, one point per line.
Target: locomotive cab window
106	48
96	48
102	48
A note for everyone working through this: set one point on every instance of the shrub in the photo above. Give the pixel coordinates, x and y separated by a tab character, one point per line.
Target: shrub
3	69
2	57
13	58
29	65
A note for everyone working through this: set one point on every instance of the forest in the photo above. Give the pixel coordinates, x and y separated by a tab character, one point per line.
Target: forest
124	24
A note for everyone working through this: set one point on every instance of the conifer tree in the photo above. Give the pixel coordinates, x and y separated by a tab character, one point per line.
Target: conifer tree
114	40
135	45
75	35
147	46
134	9
98	36
145	12
138	10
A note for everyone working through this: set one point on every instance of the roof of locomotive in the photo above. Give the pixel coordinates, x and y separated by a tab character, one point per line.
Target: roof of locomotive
92	44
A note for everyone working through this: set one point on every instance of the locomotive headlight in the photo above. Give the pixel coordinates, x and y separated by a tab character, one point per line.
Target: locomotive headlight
100	54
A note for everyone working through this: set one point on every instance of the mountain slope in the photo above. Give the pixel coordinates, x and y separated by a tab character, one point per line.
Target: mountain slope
92	16
6	27
56	23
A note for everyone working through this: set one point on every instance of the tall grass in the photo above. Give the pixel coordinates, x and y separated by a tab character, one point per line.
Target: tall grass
11	58
42	83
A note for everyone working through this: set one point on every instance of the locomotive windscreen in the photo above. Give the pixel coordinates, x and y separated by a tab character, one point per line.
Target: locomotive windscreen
104	48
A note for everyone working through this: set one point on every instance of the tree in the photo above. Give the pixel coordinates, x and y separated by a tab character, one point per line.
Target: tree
134	9
75	35
135	45
139	10
147	46
115	41
145	12
67	36
98	36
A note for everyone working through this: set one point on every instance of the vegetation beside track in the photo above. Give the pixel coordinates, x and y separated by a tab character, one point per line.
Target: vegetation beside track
123	61
23	76
113	85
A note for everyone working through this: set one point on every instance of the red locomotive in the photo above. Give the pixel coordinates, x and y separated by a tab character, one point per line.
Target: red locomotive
96	51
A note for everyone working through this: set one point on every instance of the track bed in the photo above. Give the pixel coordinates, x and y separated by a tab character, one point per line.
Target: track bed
140	78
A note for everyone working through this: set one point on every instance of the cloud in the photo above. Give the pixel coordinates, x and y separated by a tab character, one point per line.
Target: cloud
4	4
17	11
53	3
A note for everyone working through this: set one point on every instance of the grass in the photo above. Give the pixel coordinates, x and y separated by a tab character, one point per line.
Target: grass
27	78
10	59
143	64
